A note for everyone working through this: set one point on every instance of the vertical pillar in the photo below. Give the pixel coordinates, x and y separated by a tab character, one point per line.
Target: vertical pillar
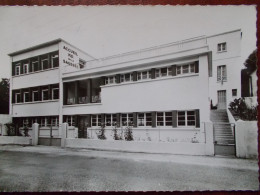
76	91
21	67
30	95
65	93
89	90
39	63
118	79
64	134
197	67
35	134
174	118
135	119
49	61
153	73
134	76
153	119
21	92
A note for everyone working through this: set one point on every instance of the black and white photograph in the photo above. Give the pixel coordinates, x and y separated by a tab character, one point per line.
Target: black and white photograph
128	98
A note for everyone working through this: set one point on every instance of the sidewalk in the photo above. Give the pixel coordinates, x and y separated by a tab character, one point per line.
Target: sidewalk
211	161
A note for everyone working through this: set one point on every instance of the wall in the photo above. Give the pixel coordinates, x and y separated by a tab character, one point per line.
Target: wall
4	118
254	82
15	140
36	109
246	139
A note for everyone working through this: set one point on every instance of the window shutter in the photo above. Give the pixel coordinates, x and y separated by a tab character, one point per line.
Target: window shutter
153	73
118	119
134	76
197	114
153	119
197	67
103	118
174	118
135	119
173	70
118	78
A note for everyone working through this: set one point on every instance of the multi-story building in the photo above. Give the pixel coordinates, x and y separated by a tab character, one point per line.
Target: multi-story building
169	87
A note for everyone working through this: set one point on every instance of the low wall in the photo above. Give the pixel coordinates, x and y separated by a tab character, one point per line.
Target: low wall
251	101
246	139
17	140
134	146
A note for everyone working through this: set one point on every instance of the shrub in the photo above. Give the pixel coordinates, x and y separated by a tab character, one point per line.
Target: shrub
101	133
240	109
10	127
128	132
26	129
115	132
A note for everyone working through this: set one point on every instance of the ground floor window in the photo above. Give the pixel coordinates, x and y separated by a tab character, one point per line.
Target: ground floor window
96	120
110	119
144	119
186	118
70	120
55	121
127	119
44	122
164	118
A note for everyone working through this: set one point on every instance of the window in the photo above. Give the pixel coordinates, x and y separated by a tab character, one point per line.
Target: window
234	92
35	64
162	72
144	119
164	118
54	121
82	63
143	75
17	98
185	69
26	96
186	118
222	47
17	69
96	120
26	122
110	119
55	93
126	119
44	122
25	68
44	62
35	96
110	80
45	94
70	120
126	77
221	73
55	60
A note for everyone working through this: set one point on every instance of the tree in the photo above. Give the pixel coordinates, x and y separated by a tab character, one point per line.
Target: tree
251	62
4	96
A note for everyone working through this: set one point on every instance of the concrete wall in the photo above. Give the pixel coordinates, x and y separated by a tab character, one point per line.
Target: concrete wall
254	82
4	118
246	139
36	109
251	101
18	140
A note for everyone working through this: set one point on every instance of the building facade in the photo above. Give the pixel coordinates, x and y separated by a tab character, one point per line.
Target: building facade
168	87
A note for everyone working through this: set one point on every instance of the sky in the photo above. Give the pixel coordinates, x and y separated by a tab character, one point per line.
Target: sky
108	30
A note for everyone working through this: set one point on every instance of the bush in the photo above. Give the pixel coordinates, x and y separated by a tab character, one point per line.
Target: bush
129	133
101	133
115	132
10	127
241	110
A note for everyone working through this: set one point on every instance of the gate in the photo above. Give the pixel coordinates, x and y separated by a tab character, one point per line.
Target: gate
222	99
224	139
48	136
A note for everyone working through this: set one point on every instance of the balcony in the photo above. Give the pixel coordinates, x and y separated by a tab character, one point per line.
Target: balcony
84	100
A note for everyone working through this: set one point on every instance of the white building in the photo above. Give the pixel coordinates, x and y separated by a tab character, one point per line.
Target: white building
168	88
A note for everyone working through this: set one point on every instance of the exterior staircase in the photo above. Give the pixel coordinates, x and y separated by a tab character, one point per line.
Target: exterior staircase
223	133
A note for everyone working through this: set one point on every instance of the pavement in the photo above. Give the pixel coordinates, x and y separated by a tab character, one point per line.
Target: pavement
212	161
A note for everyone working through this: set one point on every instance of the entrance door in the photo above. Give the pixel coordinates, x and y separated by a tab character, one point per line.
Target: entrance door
82	126
222	99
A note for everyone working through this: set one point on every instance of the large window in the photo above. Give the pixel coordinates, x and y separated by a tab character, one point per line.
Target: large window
222	47
55	93
164	118
126	119
222	73
144	119
126	77
35	65
110	80
70	120
35	96
110	119
17	97
26	96
143	75
44	122
25	68
162	72
96	120
55	60
17	69
185	69
186	118
45	94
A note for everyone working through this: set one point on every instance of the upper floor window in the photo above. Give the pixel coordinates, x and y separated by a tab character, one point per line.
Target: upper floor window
185	69
35	65
143	75
55	93
96	120
35	96
110	80
45	94
222	73
222	47
44	62
234	92
126	119
186	118
110	119
82	63
126	77
164	118
55	60
144	119
162	72
26	96
17	69
25	68
17	98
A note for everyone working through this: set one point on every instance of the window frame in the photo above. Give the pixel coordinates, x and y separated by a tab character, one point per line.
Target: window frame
56	123
144	119
220	47
191	66
53	89
127	119
56	56
186	118
98	120
33	97
26	67
33	65
107	80
164	121
234	91
19	67
148	75
17	93
221	77
42	63
44	90
24	96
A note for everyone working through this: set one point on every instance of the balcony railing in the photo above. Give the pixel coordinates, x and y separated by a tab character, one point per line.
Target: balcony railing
84	100
96	99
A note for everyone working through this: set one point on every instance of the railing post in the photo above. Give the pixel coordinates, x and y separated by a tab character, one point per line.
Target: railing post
35	134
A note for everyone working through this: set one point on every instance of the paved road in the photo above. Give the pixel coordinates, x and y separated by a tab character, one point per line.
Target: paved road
102	171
